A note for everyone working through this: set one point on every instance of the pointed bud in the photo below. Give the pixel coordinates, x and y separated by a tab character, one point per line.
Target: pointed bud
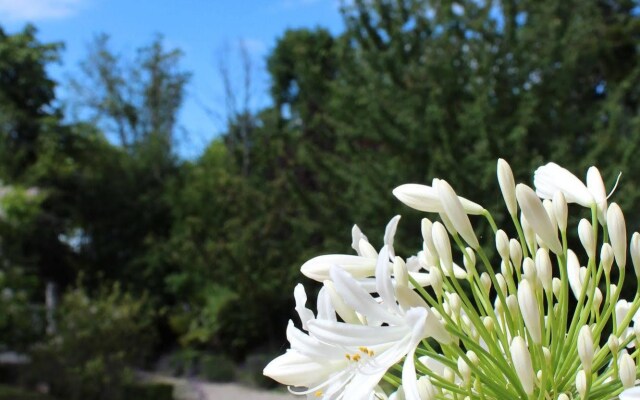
548	207
606	258
473	358
597	298
581	383
627	369
436	280
596	187
560	210
455	211
529	269
488	324
546	353
522	364
563	396
512	305
556	286
614	344
469	261
464	370
544	269
529	310
537	217
529	234
427	237
443	247
635	252
502	244
400	272
515	250
585	232
573	272
507	186
617	234
505	268
426	389
502	284
585	347
485	280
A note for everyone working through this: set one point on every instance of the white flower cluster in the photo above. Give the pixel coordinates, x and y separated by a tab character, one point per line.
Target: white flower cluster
536	322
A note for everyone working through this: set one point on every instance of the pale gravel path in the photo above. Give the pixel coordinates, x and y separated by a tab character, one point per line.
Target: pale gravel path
185	389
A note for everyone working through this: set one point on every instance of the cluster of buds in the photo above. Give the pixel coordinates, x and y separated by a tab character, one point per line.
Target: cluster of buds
538	320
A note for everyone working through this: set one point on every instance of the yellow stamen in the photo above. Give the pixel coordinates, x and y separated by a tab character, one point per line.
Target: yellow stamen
348	357
318	393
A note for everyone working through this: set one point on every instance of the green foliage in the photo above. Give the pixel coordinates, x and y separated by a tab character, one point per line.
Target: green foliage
14	393
96	341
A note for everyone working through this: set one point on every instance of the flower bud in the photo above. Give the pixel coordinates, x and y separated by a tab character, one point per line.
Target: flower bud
515	250
596	187
488	324
400	272
573	272
563	396
427	236
507	186
597	298
627	368
617	234
635	252
469	261
537	217
585	232
547	355
529	269
614	344
449	375
485	281
630	394
502	244
560	210
455	302
585	347
527	301
544	269
455	211
426	389
464	370
502	284
548	207
556	286
505	267
606	258
443	247
512	305
473	358
522	364
581	383
436	280
529	233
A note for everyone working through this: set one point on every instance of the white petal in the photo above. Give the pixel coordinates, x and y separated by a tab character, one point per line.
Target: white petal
552	178
325	308
409	379
425	198
537	217
383	282
362	385
301	299
356	237
342	334
295	369
455	211
356	297
599	193
318	267
389	234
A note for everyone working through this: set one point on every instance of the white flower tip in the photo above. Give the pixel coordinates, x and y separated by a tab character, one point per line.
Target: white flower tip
507	186
537	217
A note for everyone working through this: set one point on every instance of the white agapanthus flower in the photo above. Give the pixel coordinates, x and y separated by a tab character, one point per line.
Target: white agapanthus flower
455	322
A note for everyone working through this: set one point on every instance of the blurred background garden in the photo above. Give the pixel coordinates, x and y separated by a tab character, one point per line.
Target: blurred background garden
150	222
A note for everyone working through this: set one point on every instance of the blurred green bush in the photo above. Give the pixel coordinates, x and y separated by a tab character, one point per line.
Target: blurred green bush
98	340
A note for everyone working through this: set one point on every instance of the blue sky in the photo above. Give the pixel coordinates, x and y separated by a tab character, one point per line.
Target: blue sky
201	28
